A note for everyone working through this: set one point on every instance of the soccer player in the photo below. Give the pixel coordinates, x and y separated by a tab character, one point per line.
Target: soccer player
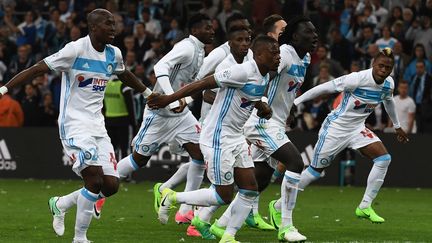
222	142
345	127
175	124
86	66
215	57
239	40
270	144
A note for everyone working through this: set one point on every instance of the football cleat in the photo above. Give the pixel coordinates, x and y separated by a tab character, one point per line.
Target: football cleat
58	216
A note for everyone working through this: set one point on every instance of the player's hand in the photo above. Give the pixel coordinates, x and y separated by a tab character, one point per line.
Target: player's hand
182	106
156	101
401	135
263	110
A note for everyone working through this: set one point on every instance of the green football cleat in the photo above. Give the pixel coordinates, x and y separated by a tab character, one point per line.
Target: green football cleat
275	216
227	238
290	234
58	216
168	202
369	213
157	196
203	228
217	230
257	222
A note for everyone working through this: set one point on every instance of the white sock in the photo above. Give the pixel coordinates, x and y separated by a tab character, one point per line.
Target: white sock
67	201
375	179
195	176
307	177
289	196
276	174
202	197
224	219
176	179
85	202
240	210
126	166
206	213
255	206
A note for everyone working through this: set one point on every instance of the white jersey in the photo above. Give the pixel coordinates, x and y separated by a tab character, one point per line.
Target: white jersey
240	86
211	62
85	73
361	96
283	88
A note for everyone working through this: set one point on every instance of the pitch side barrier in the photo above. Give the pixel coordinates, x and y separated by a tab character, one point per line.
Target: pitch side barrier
37	153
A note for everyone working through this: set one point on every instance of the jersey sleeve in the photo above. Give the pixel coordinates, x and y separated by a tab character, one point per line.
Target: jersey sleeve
182	53
62	60
235	76
120	68
286	60
211	62
347	82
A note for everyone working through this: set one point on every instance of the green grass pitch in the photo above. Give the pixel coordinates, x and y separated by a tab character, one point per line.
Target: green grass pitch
323	214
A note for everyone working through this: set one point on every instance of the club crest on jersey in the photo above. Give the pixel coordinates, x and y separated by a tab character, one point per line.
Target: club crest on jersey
109	68
98	84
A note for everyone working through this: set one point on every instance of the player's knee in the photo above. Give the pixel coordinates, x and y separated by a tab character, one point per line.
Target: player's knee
295	165
382	161
110	187
94	183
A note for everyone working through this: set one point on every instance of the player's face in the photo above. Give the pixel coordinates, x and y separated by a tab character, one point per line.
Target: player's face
204	32
240	43
279	28
307	36
272	57
381	68
105	30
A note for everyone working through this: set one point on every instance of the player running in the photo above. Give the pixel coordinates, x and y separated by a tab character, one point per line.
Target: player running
345	126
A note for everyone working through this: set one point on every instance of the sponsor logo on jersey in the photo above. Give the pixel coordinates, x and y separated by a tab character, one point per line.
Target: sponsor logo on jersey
245	103
292	85
367	107
98	84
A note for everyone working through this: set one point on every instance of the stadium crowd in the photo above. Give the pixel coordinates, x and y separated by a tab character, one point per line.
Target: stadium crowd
351	33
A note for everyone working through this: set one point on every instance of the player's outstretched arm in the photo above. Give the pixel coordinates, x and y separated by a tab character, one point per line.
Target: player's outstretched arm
36	70
389	106
188	90
322	89
128	78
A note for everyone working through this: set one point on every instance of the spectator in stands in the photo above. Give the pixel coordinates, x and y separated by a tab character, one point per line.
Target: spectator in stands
396	14
380	12
11	114
345	18
426	8
408	18
74	33
174	34
372	51
361	47
418	55
370	18
226	12
421	34
120	31
421	86
152	26
130	61
208	8
18	63
263	8
323	75
335	68
142	40
49	113
341	49
405	108
386	40
219	36
30	106
401	60
315	112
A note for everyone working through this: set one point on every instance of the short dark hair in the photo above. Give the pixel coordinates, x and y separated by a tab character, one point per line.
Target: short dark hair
291	28
196	20
261	40
236	29
421	61
234	17
269	22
